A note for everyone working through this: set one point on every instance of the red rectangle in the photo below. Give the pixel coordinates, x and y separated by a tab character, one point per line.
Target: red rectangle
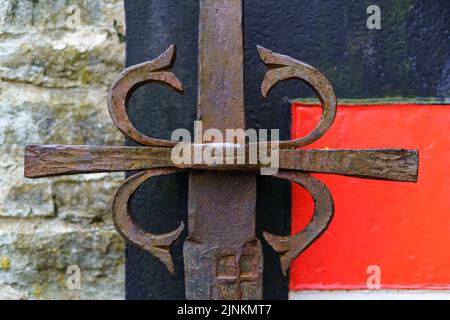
403	228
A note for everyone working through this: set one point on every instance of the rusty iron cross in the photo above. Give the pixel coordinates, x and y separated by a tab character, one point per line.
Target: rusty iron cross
222	256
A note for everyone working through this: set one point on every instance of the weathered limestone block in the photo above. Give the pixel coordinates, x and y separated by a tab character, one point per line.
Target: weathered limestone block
86	199
8	293
38	253
83	57
38	117
61	43
57	61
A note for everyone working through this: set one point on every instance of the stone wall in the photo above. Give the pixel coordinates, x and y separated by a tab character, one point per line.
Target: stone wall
57	61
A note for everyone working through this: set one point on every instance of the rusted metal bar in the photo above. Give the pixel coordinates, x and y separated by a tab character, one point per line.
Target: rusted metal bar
386	164
55	160
222	249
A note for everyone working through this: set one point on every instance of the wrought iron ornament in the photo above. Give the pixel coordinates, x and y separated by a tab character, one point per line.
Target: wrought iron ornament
222	256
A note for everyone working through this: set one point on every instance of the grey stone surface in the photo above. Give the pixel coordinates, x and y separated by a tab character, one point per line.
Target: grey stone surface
57	61
8	293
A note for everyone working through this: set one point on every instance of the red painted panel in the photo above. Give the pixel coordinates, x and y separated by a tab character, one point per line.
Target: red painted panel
403	228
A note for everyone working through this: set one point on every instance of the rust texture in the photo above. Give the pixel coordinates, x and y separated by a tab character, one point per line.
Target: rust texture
129	80
221	219
290	247
222	228
222	256
56	160
385	164
156	244
282	68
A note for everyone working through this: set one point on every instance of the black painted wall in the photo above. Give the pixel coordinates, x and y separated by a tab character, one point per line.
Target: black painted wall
408	57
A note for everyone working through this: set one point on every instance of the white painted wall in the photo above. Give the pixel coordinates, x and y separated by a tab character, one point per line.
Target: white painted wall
370	295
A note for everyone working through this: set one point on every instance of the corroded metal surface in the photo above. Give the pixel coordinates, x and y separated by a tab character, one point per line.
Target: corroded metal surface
290	247
282	68
222	256
222	237
55	160
385	164
221	205
157	244
128	81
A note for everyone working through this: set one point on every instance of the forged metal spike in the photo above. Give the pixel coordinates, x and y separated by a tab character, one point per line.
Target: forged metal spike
157	244
128	81
166	60
282	68
290	247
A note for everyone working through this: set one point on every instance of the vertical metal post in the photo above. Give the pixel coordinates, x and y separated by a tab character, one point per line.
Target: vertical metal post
223	258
